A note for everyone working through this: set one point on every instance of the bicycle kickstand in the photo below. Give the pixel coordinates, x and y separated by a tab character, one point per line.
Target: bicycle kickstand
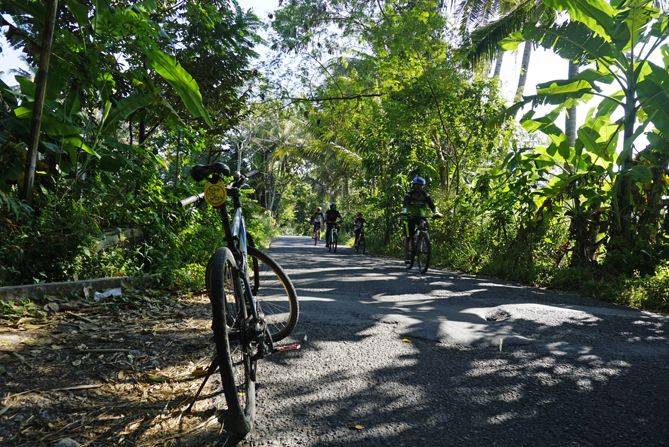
211	370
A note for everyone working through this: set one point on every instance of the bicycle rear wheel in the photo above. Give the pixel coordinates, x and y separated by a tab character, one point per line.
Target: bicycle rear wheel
423	252
235	360
275	294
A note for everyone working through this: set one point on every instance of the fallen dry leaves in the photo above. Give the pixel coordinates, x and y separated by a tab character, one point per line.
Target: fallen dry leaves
116	372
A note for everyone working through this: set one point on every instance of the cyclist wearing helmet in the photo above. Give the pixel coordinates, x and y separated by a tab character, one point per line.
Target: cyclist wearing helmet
317	219
331	218
358	223
417	202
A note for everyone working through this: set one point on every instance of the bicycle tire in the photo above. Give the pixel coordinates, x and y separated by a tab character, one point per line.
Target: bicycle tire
423	252
253	264
412	253
362	246
276	295
235	361
335	236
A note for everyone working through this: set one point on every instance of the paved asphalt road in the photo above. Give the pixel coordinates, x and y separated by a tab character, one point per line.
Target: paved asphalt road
394	358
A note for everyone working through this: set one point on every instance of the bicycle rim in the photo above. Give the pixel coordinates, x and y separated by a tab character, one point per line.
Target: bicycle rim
234	354
423	252
335	237
276	295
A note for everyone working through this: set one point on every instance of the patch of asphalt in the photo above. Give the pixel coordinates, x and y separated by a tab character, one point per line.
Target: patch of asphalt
395	358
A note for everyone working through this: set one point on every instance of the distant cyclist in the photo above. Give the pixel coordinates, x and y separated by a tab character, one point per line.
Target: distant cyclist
358	223
317	219
416	205
331	218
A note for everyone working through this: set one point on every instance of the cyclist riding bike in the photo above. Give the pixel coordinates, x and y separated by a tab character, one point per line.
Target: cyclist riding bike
331	218
358	223
317	219
415	206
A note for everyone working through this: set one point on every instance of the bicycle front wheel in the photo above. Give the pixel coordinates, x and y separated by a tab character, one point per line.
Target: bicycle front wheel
235	360
412	253
335	237
362	245
423	252
275	294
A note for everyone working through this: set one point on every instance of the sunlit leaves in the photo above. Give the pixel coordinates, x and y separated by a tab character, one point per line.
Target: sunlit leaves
654	96
513	41
595	14
181	81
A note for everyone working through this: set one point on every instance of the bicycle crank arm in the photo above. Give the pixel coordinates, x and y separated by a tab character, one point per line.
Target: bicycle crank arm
287	347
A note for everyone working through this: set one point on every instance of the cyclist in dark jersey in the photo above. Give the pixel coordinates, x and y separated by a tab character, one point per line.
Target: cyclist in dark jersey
415	206
331	218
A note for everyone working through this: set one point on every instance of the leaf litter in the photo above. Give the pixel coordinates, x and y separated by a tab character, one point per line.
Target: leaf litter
120	371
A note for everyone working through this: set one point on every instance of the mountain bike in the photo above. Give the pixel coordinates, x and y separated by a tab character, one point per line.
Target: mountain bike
420	248
360	243
333	238
254	303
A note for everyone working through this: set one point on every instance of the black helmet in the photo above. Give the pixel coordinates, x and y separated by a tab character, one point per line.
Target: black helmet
333	206
418	182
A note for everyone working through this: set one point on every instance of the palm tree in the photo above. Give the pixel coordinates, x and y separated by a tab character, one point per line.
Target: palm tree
493	21
484	40
40	94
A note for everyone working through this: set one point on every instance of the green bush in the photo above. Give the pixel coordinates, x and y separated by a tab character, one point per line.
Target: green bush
593	281
649	292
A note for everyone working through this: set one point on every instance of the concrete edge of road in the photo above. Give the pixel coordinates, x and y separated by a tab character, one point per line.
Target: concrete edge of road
81	288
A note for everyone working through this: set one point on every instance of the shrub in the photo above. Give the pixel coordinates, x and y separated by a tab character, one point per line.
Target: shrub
649	292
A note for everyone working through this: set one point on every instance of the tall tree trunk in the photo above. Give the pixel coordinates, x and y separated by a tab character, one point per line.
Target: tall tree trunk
621	253
177	173
240	149
498	63
142	129
444	178
570	120
40	94
527	52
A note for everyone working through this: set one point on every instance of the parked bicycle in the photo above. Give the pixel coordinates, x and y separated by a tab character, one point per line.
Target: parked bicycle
360	244
420	248
253	307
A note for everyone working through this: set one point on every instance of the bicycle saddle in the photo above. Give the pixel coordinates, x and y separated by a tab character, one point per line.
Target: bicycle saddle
200	172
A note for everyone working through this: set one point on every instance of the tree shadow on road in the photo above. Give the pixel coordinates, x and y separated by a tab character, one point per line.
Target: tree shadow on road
400	359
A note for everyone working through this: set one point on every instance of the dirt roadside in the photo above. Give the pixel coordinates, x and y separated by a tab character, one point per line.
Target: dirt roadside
120	371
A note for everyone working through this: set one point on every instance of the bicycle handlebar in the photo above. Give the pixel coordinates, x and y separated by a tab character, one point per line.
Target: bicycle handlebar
197	198
407	215
200	172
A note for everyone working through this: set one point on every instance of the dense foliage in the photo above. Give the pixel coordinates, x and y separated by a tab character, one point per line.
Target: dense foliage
360	97
124	116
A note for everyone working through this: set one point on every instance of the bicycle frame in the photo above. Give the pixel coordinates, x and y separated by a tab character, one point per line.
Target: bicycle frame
235	236
330	229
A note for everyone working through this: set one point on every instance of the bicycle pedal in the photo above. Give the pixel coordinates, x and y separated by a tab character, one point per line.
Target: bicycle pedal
288	347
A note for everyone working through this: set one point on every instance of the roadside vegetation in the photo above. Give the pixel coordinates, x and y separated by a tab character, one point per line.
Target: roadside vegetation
375	92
